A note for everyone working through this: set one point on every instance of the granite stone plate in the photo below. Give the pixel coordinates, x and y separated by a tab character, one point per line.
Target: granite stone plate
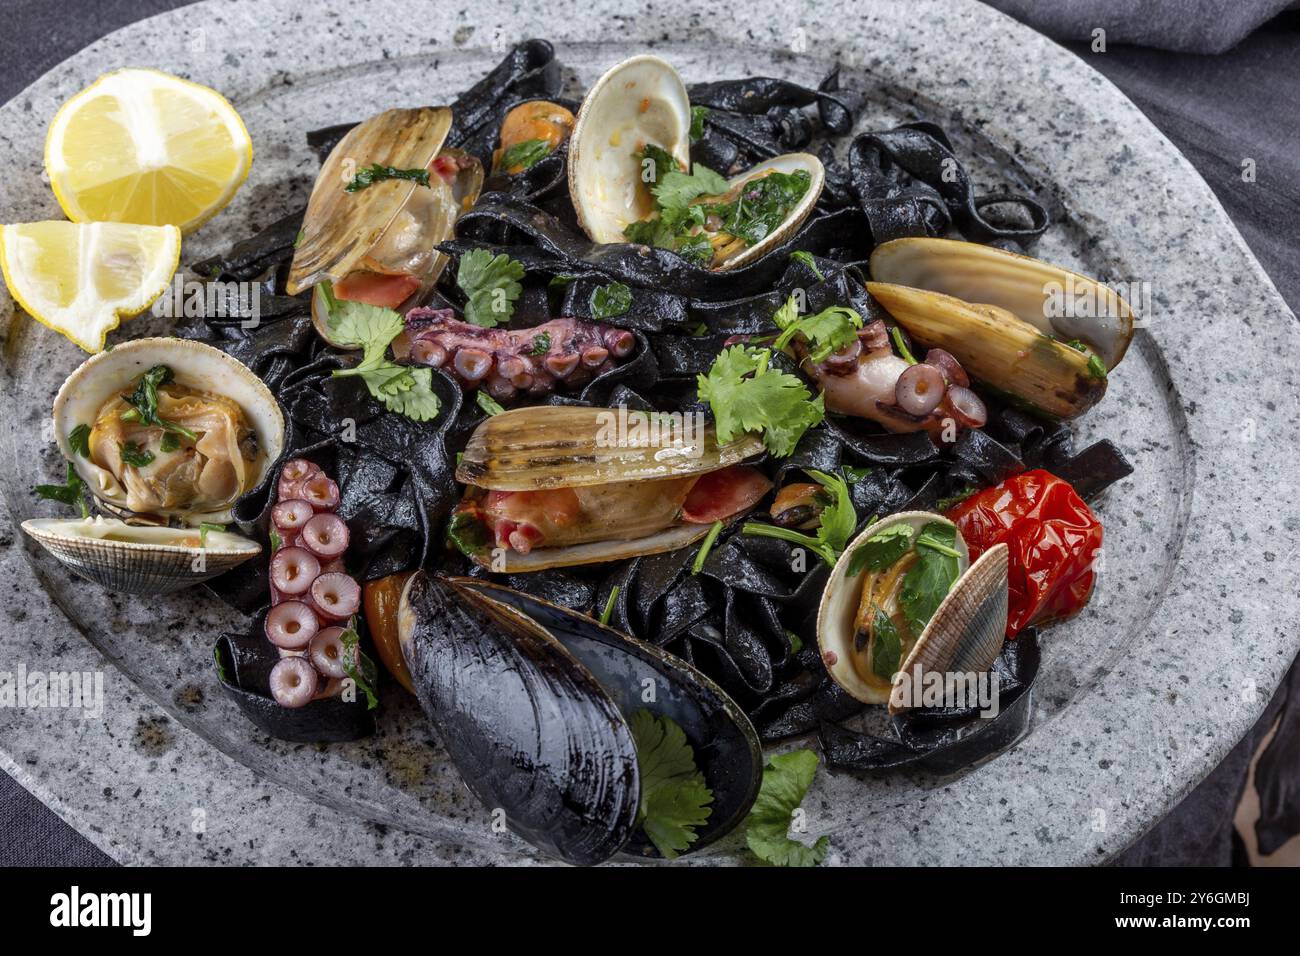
1194	620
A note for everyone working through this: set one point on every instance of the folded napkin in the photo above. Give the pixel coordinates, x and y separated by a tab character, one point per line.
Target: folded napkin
1192	26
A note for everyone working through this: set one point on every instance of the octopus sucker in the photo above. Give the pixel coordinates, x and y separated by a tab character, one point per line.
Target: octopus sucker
510	361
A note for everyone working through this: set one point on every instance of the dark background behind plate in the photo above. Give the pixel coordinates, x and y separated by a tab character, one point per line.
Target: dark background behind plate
1219	110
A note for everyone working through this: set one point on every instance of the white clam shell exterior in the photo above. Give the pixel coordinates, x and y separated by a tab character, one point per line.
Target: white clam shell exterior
152	561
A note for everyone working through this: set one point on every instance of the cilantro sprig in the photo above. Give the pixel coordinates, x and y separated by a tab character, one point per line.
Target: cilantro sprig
786	780
144	403
610	300
835	527
747	395
405	390
79	439
674	798
825	332
356	665
491	286
68	493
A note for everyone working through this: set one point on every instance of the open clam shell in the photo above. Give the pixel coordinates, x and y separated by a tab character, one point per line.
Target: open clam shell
1055	301
967	631
556	446
726	746
641	100
340	228
139	559
788	163
644	101
194	365
837	614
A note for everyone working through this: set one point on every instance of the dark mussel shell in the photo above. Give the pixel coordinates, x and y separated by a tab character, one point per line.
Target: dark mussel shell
528	727
726	746
244	663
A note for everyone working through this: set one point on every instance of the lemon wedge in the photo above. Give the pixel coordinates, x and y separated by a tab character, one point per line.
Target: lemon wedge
82	279
146	147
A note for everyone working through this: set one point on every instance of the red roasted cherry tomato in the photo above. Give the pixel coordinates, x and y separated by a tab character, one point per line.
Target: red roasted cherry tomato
1053	539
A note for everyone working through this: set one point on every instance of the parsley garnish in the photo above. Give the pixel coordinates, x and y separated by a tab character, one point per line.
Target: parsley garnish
853	475
491	286
403	389
929	580
882	549
807	259
79	439
369	175
467	533
835	527
698	115
826	332
489	404
1096	367
68	493
133	455
610	300
169	443
526	154
746	395
886	648
674	798
786	780
896	334
541	344
356	665
144	402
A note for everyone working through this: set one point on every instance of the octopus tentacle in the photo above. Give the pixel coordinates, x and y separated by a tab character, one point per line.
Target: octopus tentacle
508	362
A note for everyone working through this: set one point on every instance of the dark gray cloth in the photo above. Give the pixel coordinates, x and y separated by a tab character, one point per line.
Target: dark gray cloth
1192	26
1218	110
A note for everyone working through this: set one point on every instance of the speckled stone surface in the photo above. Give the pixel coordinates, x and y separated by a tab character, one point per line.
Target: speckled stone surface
1195	618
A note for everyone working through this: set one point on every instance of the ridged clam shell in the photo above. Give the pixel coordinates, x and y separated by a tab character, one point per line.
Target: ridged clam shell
839	606
341	227
554	446
147	566
1020	284
196	365
969	627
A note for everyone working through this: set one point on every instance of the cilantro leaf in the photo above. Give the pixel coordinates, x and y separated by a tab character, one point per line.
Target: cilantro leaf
661	162
79	439
931	577
698	116
525	155
786	780
68	493
356	665
610	300
748	396
133	455
467	533
369	175
675	190
403	389
807	259
825	332
674	798
839	518
541	345
144	402
882	549
491	286
886	648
